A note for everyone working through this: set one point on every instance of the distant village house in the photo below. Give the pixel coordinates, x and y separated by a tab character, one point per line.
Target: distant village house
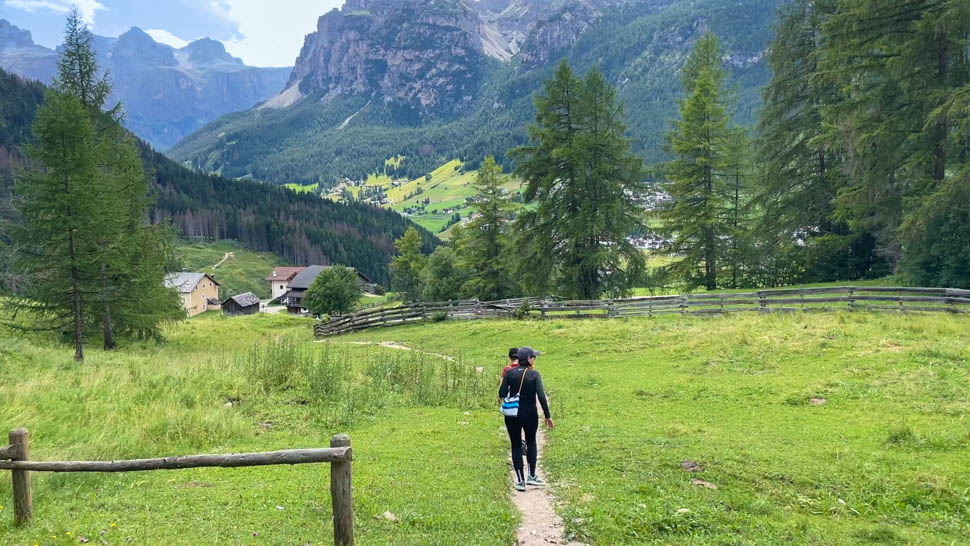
279	280
196	289
293	299
243	304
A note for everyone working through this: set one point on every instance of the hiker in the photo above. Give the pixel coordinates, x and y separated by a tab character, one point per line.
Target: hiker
526	381
513	363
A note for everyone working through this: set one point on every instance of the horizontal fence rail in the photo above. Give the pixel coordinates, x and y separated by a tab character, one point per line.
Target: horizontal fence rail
16	458
838	298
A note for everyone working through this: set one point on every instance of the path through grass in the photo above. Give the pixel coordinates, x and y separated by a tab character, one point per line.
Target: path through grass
823	429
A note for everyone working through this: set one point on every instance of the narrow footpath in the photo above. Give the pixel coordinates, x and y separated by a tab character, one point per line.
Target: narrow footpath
541	525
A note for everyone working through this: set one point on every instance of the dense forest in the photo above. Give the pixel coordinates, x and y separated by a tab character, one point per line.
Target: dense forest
639	47
302	229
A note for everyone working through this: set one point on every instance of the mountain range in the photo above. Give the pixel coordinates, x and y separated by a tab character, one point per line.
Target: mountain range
434	80
167	93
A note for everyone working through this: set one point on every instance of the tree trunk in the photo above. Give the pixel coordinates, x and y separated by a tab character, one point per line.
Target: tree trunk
109	340
76	303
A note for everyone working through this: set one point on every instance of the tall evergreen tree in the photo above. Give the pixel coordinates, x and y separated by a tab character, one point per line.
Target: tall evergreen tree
698	216
132	299
59	249
485	246
580	173
898	63
407	268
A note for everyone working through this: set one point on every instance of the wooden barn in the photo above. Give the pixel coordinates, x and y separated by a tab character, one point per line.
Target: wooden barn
243	304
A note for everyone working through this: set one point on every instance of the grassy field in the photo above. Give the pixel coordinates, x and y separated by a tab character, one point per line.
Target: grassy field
426	446
244	271
814	429
825	429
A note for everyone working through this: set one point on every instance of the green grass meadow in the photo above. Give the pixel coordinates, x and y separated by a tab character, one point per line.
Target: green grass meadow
880	456
244	271
426	447
815	429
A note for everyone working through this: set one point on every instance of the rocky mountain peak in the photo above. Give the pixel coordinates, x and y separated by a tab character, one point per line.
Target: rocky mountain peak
426	56
14	37
138	47
207	50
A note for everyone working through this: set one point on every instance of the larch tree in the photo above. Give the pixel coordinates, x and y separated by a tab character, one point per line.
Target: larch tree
698	216
485	246
407	268
584	181
59	239
133	300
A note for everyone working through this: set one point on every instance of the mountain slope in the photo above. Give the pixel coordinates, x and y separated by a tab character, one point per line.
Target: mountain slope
167	92
330	126
302	229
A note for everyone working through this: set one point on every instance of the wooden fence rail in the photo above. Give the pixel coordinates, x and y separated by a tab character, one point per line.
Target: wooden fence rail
16	458
831	298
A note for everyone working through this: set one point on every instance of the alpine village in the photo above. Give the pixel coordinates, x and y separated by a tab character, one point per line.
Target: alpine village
485	272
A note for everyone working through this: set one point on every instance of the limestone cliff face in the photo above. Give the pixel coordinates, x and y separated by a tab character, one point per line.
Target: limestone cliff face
423	55
19	54
538	31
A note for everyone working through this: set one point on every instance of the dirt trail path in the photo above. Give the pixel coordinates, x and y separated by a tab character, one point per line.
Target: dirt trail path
223	260
541	525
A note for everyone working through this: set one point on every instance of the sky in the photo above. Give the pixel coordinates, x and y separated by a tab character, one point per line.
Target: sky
260	32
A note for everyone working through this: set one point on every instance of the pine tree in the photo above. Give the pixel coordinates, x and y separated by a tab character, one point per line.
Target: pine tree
408	266
485	246
133	299
579	171
59	240
699	214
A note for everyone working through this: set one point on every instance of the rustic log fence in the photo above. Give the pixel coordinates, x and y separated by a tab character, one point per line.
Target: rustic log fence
839	298
16	458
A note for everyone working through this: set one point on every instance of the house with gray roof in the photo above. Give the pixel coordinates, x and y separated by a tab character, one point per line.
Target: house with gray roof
195	289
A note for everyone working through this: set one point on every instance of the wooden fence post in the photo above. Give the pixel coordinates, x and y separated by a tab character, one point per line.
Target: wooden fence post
341	492
22	500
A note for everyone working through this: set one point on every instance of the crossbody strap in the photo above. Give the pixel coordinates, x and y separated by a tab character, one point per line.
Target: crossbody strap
525	371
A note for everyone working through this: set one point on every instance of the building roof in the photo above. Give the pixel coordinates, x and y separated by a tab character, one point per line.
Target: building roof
247	299
305	278
283	273
185	281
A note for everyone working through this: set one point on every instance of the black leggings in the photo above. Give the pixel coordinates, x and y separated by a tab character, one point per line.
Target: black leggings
515	426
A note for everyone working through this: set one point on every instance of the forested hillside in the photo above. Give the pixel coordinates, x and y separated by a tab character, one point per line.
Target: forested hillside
639	46
302	229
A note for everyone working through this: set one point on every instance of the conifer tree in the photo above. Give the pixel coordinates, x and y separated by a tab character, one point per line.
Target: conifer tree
59	240
485	248
699	214
580	173
132	299
407	268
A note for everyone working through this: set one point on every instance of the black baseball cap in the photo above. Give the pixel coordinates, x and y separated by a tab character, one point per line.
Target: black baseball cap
514	352
527	352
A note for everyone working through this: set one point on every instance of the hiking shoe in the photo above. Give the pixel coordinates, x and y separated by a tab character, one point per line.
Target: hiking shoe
534	480
520	486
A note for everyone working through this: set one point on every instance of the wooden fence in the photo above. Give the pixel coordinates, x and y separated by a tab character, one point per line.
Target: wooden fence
16	458
851	298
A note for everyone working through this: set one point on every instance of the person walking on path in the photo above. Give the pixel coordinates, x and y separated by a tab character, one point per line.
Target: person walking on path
525	380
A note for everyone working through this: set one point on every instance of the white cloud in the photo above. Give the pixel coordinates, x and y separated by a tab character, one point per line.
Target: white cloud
86	8
269	32
165	37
